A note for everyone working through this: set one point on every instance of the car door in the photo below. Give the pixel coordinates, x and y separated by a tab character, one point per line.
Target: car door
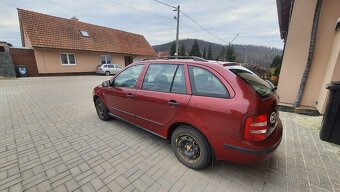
112	69
120	95
163	94
212	102
105	68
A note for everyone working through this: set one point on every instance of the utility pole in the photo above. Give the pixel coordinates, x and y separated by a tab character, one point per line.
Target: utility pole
245	56
175	17
177	33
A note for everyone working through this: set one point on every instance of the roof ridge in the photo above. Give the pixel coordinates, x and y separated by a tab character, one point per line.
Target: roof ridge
35	12
60	33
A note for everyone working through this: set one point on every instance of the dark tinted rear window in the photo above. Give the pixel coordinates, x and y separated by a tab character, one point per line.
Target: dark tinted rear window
258	84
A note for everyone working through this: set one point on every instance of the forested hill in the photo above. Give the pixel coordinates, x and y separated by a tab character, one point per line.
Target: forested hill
260	55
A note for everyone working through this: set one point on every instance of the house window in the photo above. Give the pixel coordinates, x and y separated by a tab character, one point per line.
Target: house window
84	33
68	59
106	59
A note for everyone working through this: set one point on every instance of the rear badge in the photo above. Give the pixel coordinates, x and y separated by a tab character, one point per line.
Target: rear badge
272	118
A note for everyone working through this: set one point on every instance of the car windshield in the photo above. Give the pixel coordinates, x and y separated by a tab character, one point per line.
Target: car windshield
259	85
100	65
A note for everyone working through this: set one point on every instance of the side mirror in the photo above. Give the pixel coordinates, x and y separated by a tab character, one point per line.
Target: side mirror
106	83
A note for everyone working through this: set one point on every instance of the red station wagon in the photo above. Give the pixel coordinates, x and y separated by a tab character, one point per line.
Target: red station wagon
207	111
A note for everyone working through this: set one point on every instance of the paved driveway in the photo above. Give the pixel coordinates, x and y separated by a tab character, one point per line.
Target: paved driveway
52	139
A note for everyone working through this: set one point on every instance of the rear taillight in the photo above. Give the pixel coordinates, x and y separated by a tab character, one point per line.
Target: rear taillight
256	128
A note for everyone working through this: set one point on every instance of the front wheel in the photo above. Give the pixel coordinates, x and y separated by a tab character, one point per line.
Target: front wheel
102	111
191	147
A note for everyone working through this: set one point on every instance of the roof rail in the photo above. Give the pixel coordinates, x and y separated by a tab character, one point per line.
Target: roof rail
175	57
187	57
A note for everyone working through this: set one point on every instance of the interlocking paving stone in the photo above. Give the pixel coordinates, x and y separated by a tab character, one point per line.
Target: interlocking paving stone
52	140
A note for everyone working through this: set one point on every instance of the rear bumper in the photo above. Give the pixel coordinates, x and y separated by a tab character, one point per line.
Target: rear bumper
251	151
245	152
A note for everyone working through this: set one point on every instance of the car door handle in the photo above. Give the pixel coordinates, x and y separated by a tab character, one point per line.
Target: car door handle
173	103
129	95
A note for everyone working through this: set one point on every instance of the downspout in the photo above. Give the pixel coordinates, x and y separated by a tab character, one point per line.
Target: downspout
310	54
286	32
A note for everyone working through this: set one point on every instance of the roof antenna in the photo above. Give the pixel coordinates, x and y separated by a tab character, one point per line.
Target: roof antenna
226	46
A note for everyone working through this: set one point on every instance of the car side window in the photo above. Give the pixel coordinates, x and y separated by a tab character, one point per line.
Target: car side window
159	77
111	66
104	66
118	66
205	83
178	85
128	78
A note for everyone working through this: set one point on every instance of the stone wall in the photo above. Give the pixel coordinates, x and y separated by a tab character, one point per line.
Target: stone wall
6	65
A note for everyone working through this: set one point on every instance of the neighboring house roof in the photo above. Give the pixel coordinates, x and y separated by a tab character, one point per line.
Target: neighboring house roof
163	53
47	31
284	8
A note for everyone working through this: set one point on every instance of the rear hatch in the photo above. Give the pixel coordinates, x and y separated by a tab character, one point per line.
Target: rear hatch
99	67
265	118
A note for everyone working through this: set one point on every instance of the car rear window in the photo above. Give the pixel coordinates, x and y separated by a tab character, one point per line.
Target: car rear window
258	84
205	83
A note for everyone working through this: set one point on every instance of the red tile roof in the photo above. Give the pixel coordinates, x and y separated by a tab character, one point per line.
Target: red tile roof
163	54
47	31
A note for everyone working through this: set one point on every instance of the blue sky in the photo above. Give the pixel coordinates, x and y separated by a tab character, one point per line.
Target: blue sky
255	21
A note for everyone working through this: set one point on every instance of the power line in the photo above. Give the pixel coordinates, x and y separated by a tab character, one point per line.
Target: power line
165	4
147	12
177	18
193	21
189	26
164	17
202	27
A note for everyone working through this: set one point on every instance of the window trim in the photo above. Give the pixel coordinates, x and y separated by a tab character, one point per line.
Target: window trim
172	81
68	59
228	96
105	59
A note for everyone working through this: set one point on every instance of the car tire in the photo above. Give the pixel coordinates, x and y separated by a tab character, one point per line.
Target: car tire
102	111
107	73
191	147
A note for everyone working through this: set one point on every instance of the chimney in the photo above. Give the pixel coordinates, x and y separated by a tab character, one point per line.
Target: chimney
74	18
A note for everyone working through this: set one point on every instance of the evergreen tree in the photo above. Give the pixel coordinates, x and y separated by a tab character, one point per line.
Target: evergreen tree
230	54
209	53
204	54
276	62
195	50
276	65
222	53
173	49
182	51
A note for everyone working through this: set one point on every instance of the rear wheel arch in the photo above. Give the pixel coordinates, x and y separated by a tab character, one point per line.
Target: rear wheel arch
174	126
95	98
177	124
